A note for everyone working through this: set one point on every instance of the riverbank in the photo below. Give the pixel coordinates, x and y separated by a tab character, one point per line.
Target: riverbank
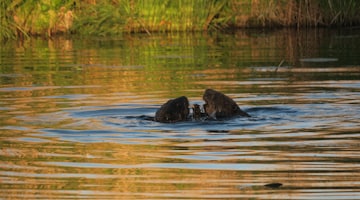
21	19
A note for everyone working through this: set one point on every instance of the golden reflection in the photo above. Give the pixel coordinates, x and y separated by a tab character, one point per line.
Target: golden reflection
44	84
137	64
34	166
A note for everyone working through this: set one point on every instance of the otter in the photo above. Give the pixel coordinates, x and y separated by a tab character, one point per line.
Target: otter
174	110
197	114
218	105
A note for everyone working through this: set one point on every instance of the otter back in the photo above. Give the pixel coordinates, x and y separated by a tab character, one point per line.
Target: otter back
174	110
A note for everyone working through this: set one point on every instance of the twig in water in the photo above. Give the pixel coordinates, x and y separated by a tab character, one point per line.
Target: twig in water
282	61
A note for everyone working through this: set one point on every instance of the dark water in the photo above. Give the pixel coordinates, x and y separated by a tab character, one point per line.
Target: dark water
73	117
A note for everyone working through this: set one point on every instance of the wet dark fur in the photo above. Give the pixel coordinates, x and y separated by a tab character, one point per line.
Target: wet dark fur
219	105
174	110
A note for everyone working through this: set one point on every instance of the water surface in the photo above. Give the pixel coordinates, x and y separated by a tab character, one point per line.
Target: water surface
73	117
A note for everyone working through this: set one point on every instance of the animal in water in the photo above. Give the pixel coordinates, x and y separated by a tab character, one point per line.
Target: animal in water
174	110
197	112
218	105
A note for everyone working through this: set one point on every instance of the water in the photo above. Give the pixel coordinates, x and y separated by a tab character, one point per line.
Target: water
73	117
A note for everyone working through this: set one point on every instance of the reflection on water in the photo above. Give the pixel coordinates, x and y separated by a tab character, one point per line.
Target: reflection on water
73	117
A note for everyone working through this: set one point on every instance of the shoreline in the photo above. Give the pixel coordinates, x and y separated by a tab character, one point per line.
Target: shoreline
116	17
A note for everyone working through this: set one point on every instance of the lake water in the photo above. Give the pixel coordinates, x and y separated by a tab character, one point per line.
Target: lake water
73	116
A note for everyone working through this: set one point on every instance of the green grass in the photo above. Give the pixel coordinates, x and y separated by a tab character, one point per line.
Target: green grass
21	18
34	17
7	25
151	16
340	12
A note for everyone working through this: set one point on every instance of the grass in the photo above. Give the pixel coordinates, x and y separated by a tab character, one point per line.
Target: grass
341	12
150	15
33	17
8	27
21	18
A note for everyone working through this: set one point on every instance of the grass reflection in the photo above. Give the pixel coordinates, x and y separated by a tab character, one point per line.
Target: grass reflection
72	125
157	63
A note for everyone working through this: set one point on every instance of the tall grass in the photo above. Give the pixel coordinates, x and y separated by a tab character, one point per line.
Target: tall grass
340	12
297	13
7	25
181	15
117	16
105	17
35	17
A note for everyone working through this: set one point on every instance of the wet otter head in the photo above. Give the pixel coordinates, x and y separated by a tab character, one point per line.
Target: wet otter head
174	110
219	105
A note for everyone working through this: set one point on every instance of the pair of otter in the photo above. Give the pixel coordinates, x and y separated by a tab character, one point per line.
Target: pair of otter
217	106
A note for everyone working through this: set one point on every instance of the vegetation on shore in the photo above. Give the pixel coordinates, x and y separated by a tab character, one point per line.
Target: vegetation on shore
21	18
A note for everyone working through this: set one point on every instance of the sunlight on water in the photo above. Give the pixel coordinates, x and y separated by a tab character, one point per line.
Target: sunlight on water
75	119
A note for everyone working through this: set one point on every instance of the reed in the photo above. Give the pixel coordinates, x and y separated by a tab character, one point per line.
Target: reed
33	17
270	13
108	17
340	12
151	15
101	18
7	25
